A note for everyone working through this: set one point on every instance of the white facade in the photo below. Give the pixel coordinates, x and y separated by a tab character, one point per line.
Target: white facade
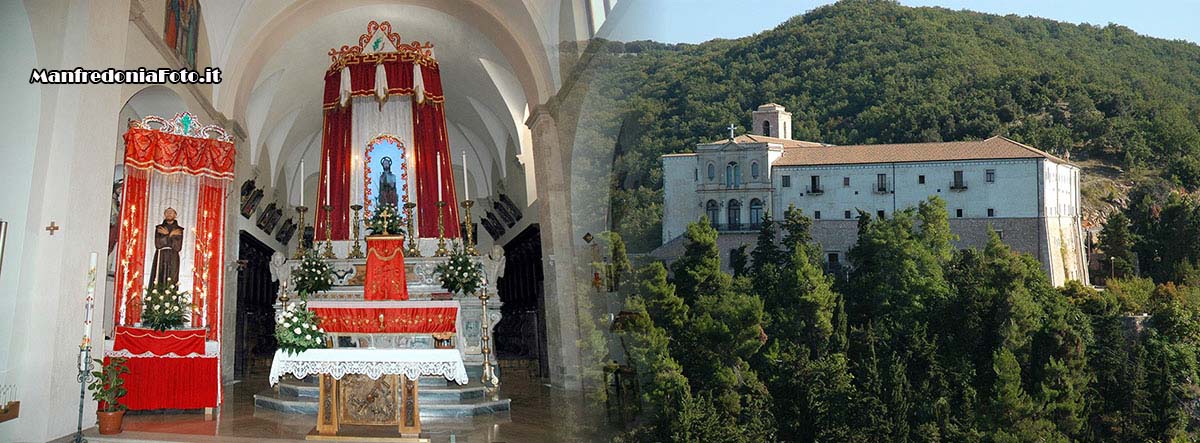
1029	197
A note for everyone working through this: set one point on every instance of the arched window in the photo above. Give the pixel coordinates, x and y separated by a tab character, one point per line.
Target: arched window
712	172
754	170
767	128
714	212
733	175
756	214
733	215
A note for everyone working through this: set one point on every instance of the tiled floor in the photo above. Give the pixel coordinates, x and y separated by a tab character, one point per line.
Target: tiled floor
539	414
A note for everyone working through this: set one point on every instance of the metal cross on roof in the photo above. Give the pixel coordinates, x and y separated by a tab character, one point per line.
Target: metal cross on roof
731	128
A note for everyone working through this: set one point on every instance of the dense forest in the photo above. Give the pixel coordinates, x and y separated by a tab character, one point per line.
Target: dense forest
867	71
919	342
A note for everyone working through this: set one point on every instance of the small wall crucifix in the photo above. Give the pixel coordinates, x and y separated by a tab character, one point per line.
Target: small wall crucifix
53	227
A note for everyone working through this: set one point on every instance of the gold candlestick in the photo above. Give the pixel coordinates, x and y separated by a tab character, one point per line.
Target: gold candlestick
470	245
490	381
356	251
441	250
413	250
328	233
300	244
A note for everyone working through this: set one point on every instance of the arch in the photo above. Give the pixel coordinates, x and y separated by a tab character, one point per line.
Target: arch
754	170
733	214
756	211
157	100
766	128
713	210
712	172
524	54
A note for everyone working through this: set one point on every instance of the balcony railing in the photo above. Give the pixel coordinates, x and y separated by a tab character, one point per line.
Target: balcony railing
817	190
958	186
736	227
880	189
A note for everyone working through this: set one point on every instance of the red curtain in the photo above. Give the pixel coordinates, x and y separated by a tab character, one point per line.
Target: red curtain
131	249
169	153
210	223
386	278
335	147
429	123
387	320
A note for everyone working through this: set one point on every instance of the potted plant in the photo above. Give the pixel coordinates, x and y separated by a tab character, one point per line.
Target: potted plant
107	388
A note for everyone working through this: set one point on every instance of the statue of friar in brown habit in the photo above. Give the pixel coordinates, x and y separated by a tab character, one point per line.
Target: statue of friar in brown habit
168	242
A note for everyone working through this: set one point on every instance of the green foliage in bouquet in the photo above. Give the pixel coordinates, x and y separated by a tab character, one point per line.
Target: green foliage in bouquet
107	385
386	220
461	273
314	275
164	307
299	329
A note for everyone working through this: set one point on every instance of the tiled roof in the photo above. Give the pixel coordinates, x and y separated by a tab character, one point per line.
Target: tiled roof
990	149
751	138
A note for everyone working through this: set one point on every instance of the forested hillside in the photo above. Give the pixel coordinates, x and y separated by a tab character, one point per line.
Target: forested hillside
868	71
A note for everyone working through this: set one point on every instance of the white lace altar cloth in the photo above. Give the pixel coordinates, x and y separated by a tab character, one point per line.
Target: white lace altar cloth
373	363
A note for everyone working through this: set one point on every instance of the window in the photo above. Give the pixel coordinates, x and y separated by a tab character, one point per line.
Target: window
991	212
756	211
832	258
847	215
754	170
729	175
714	212
958	213
845	181
816	215
767	128
786	181
712	172
733	214
990	175
880	182
920	179
1000	234
958	181
880	213
697	178
815	187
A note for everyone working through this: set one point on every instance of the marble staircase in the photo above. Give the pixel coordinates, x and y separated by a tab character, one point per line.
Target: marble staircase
441	400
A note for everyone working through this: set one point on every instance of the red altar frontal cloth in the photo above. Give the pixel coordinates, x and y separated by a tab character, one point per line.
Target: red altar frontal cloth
386	279
138	341
170	383
430	320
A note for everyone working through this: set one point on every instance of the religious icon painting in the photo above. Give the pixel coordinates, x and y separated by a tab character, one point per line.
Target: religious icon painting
181	29
385	174
251	203
264	219
286	231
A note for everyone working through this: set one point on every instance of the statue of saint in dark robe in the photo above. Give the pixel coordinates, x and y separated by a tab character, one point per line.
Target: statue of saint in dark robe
387	185
168	242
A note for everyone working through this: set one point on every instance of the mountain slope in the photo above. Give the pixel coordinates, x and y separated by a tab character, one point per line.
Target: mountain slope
872	71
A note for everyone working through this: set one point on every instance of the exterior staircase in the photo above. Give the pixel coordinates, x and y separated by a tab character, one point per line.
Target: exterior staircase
440	399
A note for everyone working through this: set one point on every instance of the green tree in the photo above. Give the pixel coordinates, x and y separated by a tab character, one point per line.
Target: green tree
1117	243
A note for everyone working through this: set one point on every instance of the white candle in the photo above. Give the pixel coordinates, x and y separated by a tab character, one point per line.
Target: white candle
466	179
439	171
301	202
328	171
89	301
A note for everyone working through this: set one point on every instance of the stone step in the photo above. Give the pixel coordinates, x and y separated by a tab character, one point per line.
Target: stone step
465	407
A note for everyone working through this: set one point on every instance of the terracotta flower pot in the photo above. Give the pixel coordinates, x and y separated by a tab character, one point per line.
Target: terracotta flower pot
110	422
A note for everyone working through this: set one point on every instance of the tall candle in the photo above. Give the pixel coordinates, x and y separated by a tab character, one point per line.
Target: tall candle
439	170
466	179
88	304
328	171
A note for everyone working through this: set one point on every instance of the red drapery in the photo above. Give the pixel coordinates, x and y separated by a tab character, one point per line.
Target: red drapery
207	289
128	283
169	153
180	342
335	147
170	383
387	320
430	138
386	278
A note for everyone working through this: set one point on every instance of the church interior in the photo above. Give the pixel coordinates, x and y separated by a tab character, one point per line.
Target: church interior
401	170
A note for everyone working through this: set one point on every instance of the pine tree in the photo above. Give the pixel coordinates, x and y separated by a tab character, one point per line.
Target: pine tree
1117	243
934	231
668	309
698	271
738	260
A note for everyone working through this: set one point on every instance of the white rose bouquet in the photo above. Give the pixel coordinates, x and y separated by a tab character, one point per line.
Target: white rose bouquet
313	275
164	307
299	329
461	273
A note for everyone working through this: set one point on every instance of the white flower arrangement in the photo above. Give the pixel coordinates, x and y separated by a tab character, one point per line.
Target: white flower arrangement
299	329
164	307
460	273
314	275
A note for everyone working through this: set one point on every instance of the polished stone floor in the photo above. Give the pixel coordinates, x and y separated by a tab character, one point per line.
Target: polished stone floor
539	414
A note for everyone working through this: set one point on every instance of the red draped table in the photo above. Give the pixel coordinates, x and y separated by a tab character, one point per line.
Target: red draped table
167	370
385	269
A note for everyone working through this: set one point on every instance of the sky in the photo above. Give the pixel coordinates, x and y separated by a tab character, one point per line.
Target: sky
694	21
